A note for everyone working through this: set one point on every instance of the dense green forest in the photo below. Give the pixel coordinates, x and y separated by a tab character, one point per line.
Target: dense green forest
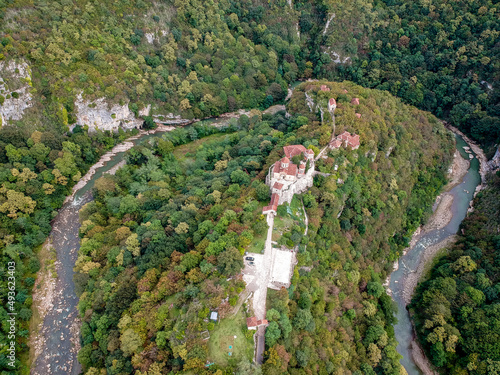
203	58
440	56
37	172
164	239
457	309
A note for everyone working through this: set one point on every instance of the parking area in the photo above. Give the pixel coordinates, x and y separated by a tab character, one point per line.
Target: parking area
250	272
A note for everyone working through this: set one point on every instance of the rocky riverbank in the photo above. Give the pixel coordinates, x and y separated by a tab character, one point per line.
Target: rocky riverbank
441	218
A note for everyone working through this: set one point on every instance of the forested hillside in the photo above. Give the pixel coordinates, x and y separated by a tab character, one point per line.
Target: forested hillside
194	57
457	310
440	56
202	58
164	239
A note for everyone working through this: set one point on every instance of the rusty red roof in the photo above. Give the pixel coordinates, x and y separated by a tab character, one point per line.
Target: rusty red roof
325	88
252	322
332	102
355	101
291	151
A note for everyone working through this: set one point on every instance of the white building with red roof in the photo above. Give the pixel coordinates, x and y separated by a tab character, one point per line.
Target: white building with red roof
253	323
286	178
332	105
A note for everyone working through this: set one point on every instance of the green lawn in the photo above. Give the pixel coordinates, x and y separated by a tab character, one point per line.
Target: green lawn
258	243
223	335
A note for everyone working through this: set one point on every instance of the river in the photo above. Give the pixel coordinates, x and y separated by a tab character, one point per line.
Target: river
58	340
408	264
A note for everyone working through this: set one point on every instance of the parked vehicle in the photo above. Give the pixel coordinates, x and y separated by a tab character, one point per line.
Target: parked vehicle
251	263
249	258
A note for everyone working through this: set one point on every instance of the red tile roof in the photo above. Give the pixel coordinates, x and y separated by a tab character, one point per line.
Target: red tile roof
336	143
350	139
332	102
262	322
309	151
285	160
252	322
325	88
291	151
290	171
275	198
269	208
277	185
358	115
355	101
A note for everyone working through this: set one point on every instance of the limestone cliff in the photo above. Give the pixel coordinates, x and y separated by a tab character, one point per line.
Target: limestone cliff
15	87
98	114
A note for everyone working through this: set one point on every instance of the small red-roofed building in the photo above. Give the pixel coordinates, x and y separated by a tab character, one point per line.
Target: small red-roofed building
302	168
345	91
325	88
355	101
252	323
332	104
358	115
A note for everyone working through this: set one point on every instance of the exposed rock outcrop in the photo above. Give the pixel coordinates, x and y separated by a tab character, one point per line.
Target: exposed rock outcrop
98	114
494	163
15	86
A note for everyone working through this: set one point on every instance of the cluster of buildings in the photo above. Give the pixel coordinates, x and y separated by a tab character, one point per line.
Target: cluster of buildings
286	178
345	139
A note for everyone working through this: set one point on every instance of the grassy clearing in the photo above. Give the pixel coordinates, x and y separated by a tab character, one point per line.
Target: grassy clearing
258	243
183	151
223	335
294	215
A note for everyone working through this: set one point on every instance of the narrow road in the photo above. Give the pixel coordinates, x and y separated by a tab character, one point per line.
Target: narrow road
260	295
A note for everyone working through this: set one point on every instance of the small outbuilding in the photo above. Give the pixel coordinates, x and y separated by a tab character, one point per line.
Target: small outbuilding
214	316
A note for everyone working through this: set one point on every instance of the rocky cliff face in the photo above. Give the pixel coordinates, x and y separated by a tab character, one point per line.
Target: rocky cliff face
98	114
15	86
494	163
